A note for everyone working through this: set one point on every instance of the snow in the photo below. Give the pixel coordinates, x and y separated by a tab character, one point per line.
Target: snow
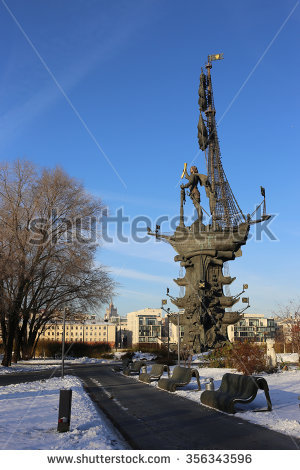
28	417
287	357
138	356
42	364
284	389
29	413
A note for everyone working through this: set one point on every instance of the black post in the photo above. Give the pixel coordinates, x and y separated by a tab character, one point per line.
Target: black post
64	412
168	338
63	345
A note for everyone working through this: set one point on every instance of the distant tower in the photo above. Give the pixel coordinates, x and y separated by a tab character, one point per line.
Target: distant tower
110	312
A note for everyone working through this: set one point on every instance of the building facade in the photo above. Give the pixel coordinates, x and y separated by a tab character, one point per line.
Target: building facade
254	327
89	332
144	326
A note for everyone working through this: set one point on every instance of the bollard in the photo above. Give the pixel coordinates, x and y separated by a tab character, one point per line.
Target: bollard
64	411
210	385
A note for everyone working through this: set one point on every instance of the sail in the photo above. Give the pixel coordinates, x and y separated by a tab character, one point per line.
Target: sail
202	134
202	95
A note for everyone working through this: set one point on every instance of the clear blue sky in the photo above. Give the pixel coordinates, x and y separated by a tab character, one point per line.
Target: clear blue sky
131	70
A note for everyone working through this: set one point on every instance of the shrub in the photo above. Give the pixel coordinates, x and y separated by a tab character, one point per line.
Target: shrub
162	356
146	347
53	349
186	355
247	357
220	357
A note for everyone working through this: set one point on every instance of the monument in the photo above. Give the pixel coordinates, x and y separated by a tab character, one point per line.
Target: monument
202	249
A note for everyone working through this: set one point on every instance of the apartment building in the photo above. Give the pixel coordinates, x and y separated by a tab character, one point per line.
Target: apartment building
145	326
253	327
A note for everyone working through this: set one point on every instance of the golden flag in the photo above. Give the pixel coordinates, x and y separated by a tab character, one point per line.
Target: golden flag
215	57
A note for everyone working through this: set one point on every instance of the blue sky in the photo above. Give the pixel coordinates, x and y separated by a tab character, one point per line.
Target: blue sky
129	72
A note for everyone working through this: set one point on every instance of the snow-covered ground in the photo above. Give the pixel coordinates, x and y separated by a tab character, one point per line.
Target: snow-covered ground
29	413
287	357
284	391
40	364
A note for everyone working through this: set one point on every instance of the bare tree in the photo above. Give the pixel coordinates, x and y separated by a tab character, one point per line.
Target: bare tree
288	320
48	242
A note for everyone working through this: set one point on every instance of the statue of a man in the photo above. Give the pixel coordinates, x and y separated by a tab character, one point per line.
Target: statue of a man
193	179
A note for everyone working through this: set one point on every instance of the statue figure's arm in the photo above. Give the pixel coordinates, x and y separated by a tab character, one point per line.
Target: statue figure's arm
187	185
188	177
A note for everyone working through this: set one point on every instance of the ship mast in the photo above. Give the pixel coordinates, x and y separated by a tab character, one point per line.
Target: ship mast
225	211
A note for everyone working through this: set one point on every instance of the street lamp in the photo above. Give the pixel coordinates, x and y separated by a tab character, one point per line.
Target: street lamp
106	321
63	344
164	302
178	326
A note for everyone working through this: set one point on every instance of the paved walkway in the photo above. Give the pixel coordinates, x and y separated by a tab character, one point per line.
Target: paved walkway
150	418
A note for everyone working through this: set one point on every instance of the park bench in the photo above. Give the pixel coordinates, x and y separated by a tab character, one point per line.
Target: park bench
181	376
236	388
134	368
155	373
125	363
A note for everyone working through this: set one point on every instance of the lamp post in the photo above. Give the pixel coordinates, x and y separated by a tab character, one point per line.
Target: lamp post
63	344
106	321
164	302
168	317
178	326
178	346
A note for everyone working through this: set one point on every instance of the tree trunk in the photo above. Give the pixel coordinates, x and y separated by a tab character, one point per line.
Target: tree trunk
8	345
16	353
8	350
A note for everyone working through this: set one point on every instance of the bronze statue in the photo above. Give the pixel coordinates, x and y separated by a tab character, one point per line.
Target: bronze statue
203	249
194	179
